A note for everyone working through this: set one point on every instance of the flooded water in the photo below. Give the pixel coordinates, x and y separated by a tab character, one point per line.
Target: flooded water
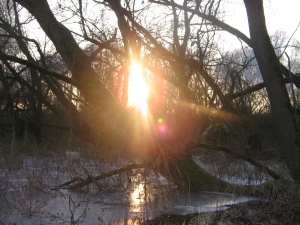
133	197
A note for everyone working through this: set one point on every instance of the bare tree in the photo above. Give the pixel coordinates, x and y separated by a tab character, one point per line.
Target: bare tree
186	63
282	110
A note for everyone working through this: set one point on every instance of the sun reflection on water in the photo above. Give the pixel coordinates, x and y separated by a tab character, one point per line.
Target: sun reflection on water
137	198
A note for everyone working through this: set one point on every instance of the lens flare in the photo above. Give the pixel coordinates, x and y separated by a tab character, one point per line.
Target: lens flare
162	128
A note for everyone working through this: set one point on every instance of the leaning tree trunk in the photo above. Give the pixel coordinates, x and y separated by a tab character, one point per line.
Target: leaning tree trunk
281	108
105	108
107	111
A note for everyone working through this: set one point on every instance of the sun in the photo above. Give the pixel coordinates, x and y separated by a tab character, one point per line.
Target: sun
137	88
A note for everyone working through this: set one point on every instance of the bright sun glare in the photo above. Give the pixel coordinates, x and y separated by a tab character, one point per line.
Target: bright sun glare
137	89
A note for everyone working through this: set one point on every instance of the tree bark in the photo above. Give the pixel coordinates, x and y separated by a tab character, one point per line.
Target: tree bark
270	67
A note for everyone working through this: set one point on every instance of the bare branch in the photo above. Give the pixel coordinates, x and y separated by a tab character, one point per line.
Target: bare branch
90	179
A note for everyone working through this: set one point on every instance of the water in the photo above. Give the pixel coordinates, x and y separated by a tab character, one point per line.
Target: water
129	198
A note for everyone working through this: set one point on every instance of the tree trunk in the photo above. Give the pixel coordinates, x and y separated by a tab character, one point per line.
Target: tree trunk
186	174
281	108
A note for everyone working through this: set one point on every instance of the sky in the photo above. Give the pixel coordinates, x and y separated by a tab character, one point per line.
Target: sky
280	15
